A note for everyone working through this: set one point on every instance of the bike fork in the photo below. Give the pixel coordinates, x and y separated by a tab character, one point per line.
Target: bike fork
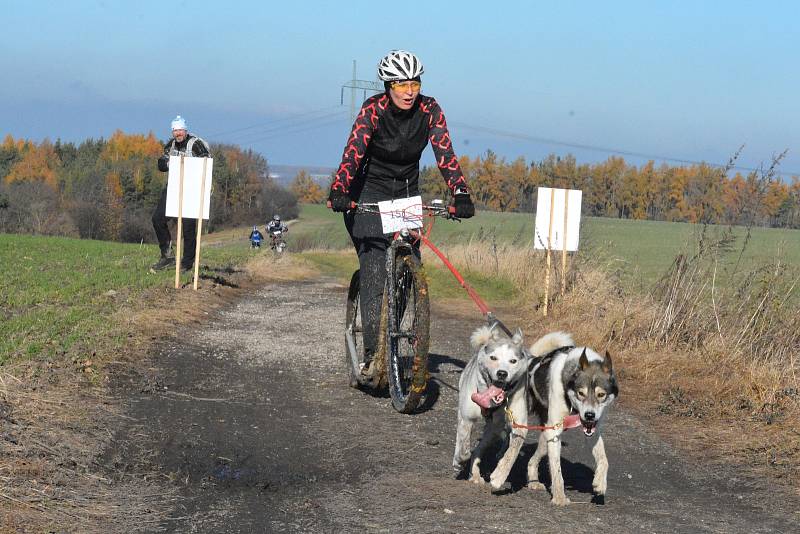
391	264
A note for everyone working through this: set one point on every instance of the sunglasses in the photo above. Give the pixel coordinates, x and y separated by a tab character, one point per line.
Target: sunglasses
406	86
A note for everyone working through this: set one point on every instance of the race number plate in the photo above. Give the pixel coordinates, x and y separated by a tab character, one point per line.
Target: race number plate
401	213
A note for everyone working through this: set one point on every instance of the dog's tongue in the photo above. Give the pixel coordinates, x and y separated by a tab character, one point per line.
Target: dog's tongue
572	421
489	397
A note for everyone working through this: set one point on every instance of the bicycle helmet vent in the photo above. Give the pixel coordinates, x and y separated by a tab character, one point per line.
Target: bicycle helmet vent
399	65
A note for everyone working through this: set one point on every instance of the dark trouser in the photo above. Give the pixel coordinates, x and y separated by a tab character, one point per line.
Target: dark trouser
370	244
162	230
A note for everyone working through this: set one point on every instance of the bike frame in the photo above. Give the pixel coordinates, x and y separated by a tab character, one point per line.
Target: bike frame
407	238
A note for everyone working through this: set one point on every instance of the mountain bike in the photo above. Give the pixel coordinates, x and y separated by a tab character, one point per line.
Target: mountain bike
278	243
401	358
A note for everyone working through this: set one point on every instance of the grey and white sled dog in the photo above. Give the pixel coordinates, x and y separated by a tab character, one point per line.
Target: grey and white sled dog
499	369
568	379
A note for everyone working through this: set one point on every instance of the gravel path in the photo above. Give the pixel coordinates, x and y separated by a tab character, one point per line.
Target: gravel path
250	421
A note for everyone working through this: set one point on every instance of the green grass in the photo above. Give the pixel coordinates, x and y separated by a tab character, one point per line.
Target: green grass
641	251
54	291
441	282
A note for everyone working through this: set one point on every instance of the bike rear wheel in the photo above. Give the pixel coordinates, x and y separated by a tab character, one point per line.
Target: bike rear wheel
408	335
354	332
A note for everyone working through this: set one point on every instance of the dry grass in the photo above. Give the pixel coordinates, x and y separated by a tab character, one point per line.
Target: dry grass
56	418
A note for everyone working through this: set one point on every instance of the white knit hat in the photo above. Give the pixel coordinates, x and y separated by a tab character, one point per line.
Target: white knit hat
179	123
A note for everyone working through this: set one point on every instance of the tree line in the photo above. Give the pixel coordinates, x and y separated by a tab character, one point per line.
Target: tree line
107	188
613	188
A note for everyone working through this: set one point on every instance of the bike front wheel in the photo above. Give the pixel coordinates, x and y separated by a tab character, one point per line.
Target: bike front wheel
408	335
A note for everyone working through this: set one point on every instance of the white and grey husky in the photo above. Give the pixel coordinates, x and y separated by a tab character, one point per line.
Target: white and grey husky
569	380
496	377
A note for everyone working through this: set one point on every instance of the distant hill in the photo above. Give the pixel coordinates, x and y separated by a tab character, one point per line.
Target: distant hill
284	174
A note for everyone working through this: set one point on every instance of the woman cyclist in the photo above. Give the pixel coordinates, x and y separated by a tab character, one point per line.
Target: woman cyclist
381	162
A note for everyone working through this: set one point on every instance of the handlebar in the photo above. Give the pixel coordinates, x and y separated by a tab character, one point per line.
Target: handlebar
436	209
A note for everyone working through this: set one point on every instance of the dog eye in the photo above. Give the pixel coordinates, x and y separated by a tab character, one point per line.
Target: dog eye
493	358
513	361
601	395
582	393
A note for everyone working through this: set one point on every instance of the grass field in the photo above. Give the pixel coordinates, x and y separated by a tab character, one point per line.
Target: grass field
56	293
641	251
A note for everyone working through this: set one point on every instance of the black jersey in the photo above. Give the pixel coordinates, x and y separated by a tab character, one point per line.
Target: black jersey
381	159
198	147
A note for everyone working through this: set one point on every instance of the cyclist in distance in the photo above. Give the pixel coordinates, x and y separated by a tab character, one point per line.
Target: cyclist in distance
256	238
381	162
275	225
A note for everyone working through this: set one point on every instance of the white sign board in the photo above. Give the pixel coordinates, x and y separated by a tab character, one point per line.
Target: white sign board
401	213
562	209
192	184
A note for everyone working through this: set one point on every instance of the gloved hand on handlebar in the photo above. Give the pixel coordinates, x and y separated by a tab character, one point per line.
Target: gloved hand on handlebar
463	204
339	201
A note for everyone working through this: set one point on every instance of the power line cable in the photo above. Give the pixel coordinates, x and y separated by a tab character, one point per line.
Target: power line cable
268	132
303	125
548	141
273	121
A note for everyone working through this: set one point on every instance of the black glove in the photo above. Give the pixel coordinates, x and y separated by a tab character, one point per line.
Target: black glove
463	205
163	163
339	201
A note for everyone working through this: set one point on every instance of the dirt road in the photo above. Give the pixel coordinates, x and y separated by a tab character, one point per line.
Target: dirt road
248	425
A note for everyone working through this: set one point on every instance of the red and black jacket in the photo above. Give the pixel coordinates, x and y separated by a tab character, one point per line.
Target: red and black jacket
381	159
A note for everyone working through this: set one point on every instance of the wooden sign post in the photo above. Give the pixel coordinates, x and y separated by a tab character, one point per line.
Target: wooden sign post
200	224
549	248
553	205
564	249
179	242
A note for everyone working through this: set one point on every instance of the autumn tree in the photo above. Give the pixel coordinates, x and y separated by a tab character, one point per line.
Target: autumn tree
37	163
306	189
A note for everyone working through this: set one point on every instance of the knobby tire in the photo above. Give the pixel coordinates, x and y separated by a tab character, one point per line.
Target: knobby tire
407	356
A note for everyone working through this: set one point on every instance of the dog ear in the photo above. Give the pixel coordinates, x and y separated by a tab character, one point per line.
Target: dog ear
614	389
584	361
608	365
517	339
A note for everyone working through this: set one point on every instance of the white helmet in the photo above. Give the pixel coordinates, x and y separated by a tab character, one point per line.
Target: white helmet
399	65
178	123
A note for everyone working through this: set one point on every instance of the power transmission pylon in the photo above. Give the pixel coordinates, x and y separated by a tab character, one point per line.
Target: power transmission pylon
355	85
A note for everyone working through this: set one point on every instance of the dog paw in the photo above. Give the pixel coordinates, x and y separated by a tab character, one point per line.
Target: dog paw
497	480
560	500
536	485
477	480
599	487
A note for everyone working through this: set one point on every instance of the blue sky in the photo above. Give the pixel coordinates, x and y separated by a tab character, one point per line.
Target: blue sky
688	80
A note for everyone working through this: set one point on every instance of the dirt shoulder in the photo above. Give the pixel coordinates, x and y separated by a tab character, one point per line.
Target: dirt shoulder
57	416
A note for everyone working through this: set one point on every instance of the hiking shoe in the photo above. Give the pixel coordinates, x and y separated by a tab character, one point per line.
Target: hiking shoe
187	265
163	263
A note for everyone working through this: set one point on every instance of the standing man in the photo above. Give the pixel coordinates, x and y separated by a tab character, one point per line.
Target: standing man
189	145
